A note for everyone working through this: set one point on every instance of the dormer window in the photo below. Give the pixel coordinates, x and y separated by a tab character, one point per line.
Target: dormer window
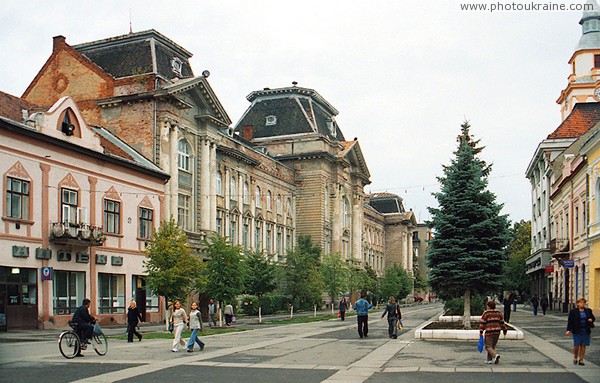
271	120
177	66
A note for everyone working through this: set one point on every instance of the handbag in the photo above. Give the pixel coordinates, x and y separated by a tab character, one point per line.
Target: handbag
480	344
97	329
399	325
339	314
170	326
233	320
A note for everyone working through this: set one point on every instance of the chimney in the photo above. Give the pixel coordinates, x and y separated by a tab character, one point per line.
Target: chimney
248	132
58	42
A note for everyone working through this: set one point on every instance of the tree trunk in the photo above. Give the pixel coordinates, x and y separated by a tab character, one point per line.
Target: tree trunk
467	310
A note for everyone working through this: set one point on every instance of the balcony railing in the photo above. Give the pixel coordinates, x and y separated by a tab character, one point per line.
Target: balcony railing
559	246
78	234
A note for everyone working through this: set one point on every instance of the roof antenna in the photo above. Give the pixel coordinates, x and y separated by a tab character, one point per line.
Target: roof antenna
130	26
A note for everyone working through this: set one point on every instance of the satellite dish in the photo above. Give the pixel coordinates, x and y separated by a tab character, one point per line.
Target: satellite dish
205	73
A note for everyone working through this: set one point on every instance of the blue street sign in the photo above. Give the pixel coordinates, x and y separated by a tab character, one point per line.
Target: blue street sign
568	263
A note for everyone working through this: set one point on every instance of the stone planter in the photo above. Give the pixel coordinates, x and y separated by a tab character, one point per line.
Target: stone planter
514	333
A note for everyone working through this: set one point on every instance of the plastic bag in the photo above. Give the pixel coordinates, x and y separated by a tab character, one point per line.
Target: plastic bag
97	329
170	327
233	320
399	325
480	343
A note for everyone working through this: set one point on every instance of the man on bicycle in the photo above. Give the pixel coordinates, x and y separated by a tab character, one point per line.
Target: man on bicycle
84	321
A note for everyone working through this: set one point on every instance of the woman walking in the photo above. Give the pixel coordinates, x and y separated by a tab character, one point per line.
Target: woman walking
508	300
490	326
228	314
393	312
580	323
195	325
133	318
178	319
343	308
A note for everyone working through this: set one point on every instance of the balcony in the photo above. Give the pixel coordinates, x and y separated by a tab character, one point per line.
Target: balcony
559	247
82	234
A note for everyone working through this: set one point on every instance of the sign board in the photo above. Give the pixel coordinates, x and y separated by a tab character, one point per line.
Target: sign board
46	273
549	269
568	263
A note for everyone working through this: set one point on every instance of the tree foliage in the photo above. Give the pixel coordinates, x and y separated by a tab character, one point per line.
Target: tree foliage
396	282
261	274
225	268
467	251
301	272
173	270
334	272
519	249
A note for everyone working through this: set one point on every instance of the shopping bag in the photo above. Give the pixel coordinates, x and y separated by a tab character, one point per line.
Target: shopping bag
339	314
399	325
233	320
97	329
480	343
170	327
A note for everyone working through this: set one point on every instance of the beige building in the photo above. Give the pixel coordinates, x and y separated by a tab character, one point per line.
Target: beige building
78	206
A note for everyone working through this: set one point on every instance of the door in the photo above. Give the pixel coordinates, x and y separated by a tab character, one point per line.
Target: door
140	295
21	298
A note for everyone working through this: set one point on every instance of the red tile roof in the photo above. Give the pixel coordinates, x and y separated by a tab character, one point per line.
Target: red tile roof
582	118
11	106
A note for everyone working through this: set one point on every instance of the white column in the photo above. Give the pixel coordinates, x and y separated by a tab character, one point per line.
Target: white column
205	176
213	187
174	190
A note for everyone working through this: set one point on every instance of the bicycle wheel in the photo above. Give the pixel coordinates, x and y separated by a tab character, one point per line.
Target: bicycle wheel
100	344
68	344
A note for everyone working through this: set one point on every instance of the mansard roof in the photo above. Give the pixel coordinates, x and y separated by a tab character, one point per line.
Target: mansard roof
387	203
292	111
137	53
580	120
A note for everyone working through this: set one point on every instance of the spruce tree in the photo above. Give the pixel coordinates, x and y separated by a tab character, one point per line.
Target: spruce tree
467	252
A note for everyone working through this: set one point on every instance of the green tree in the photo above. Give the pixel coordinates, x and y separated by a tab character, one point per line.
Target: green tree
173	270
519	249
335	274
467	252
396	282
225	268
261	274
301	273
361	279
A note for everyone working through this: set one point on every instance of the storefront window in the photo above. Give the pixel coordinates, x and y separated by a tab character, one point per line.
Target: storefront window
111	293
69	291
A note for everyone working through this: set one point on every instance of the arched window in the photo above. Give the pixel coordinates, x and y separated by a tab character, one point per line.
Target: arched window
583	281
245	196
219	183
232	189
268	200
183	155
288	206
257	196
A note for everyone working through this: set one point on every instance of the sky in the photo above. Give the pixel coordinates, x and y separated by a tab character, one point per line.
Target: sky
404	75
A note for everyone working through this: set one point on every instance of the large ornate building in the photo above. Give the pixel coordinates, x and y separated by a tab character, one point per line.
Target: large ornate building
284	170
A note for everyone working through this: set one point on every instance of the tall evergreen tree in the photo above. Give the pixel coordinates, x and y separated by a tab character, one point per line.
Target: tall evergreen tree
467	252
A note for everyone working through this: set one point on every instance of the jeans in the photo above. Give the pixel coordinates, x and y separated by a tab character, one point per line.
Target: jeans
393	327
535	307
194	338
363	325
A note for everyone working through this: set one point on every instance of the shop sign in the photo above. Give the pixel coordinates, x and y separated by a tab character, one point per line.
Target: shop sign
549	269
46	273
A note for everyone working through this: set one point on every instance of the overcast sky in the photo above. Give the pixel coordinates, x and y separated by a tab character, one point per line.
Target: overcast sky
404	74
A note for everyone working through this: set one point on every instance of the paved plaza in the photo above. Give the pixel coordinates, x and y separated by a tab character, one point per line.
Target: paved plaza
328	351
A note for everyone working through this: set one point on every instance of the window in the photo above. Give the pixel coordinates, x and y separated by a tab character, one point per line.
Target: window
576	220
326	203
596	61
288	239
258	236
270	120
69	291
219	183
279	240
232	189
17	198
269	239
268	200
257	196
288	206
183	155
245	196
245	233
278	203
219	225
183	211
233	230
111	293
345	213
584	217
112	216
146	220
69	205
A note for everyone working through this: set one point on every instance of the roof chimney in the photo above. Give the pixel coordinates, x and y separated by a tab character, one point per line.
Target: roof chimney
58	42
248	132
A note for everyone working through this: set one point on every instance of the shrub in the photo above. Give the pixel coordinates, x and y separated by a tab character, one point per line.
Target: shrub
456	306
269	303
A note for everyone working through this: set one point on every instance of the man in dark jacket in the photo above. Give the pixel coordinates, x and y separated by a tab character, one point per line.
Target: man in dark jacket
393	312
84	321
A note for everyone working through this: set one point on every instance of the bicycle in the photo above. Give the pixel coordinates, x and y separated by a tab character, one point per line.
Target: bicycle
70	344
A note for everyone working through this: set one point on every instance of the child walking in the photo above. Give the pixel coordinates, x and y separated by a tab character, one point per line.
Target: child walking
195	325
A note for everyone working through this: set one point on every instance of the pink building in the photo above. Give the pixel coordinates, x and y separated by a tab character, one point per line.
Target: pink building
77	207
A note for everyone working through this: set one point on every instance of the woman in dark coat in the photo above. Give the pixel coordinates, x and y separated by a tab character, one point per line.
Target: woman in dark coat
133	318
580	323
508	300
343	308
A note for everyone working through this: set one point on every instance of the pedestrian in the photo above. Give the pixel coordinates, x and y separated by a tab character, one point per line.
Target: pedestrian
535	302
196	325
343	308
169	315
393	312
362	314
492	322
134	316
212	313
544	303
228	314
85	324
178	319
514	300
507	302
580	323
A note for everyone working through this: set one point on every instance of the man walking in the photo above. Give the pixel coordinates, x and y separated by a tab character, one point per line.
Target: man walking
362	314
212	311
490	326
